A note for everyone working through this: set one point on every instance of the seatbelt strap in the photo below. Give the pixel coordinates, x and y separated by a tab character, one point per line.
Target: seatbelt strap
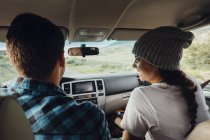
203	85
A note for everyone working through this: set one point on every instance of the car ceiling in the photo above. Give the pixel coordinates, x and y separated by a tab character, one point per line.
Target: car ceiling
115	19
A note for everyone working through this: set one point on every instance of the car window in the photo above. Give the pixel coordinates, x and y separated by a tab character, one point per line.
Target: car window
7	72
196	58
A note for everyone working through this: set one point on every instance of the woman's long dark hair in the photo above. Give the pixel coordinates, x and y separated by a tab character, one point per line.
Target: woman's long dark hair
179	78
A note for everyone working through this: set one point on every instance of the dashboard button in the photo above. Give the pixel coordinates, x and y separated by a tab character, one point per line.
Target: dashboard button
100	85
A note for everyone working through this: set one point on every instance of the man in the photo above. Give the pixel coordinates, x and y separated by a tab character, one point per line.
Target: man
36	49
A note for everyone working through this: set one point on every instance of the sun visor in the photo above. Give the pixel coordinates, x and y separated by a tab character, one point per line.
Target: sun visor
126	34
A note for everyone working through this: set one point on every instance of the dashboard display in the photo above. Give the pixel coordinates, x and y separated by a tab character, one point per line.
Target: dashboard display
83	87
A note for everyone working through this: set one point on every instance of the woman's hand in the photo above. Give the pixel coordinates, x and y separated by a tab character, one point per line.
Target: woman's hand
128	136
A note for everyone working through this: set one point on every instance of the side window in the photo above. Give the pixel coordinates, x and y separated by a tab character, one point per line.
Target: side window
7	72
196	58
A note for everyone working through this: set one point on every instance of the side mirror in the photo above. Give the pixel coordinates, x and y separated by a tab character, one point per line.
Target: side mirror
83	51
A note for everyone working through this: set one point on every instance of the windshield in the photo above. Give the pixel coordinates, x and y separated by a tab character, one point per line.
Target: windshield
116	57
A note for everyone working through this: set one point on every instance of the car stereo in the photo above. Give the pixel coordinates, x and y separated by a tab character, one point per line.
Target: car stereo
83	87
92	90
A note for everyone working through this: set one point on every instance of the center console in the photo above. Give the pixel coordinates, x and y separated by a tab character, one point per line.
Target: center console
92	90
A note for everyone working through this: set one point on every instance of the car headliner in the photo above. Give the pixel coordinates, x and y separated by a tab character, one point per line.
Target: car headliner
122	19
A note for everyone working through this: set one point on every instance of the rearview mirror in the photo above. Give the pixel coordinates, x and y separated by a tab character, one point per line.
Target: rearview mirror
83	51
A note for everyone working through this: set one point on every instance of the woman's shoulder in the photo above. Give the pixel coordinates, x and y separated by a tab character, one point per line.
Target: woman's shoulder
152	89
141	99
144	92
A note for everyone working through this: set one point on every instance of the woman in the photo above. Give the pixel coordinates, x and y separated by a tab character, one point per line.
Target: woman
171	107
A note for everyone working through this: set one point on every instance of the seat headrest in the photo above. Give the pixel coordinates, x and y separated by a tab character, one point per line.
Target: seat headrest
201	132
13	123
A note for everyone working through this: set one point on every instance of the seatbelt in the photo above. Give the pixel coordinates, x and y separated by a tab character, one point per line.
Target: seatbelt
203	85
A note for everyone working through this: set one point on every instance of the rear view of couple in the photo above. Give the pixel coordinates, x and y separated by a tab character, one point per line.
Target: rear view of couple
169	109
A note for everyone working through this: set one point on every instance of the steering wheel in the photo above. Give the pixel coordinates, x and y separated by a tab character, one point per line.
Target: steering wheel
203	85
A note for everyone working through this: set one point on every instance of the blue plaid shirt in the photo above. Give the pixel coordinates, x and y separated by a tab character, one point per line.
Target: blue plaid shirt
53	115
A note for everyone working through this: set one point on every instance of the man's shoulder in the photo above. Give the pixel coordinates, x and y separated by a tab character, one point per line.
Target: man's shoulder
91	110
66	115
5	92
86	116
61	99
88	105
85	111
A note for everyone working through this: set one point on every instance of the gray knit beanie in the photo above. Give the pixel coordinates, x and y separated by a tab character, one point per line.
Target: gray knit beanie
163	47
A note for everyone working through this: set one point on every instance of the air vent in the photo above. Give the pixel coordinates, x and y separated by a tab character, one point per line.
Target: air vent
100	85
67	88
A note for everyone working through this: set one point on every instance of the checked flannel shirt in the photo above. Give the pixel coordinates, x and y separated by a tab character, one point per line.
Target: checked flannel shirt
53	115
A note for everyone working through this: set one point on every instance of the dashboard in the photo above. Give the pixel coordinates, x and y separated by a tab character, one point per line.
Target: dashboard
110	91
